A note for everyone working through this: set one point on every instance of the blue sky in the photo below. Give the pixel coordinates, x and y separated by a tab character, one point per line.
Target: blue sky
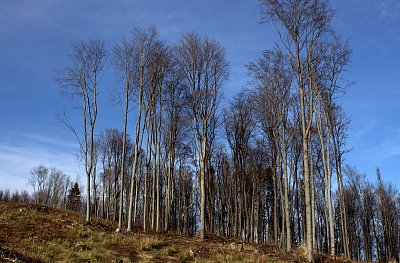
36	36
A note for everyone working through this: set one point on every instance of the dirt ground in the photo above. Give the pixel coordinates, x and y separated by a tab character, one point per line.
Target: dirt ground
37	233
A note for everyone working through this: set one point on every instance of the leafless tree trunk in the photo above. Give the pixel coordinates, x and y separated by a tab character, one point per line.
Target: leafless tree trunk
205	71
273	78
325	138
300	36
81	80
145	43
240	123
123	61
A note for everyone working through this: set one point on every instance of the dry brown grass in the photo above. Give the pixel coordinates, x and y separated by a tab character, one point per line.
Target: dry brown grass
55	235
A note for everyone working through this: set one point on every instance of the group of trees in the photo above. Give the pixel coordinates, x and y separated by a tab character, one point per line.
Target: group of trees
16	196
176	91
374	216
54	187
261	169
50	187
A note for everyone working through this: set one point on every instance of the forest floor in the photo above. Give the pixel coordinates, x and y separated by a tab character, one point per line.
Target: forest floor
37	233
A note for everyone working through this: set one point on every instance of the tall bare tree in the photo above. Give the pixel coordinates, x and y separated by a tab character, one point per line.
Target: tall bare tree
205	71
81	80
145	45
302	25
174	129
124	63
240	123
273	78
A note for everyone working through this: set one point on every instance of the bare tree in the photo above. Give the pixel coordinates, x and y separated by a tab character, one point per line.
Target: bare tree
174	129
205	71
38	180
273	78
81	80
123	61
145	45
240	123
335	57
58	181
301	25
50	185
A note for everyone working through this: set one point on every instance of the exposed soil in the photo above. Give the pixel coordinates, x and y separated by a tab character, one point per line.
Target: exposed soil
37	233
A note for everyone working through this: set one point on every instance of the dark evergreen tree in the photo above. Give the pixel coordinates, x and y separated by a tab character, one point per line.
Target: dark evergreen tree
74	198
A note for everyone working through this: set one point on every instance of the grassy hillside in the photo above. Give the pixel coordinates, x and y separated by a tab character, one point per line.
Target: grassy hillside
34	233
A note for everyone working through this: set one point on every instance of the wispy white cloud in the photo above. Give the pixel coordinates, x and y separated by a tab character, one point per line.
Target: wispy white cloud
16	160
375	142
46	140
383	150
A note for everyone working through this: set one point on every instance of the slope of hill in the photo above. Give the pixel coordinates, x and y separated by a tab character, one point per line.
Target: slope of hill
36	233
